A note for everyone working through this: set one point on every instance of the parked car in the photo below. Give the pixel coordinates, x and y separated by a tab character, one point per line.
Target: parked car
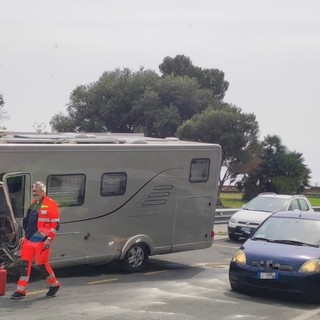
282	255
246	220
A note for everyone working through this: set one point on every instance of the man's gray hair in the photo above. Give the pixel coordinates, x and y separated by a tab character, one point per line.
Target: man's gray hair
41	185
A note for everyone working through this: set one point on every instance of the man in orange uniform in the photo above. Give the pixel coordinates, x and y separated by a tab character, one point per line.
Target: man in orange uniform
41	226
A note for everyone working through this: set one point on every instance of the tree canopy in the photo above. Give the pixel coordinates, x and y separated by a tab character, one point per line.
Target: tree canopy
211	79
3	112
279	171
185	101
126	101
228	126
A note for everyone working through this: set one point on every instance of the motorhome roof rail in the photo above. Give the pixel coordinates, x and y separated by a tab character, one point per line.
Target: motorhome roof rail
81	138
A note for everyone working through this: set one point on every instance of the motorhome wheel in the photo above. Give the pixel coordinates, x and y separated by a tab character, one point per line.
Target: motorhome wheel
136	258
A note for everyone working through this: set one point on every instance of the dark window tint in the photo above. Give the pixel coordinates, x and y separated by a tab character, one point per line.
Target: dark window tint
199	170
67	190
16	187
113	184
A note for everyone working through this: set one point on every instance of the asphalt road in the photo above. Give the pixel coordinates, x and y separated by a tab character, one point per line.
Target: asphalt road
183	286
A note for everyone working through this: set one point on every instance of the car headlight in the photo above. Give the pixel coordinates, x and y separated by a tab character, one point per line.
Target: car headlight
240	257
233	220
311	266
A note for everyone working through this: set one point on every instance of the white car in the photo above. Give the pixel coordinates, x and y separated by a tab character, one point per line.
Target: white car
246	220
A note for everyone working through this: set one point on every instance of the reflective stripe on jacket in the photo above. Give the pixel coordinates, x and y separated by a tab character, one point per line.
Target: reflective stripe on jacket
48	218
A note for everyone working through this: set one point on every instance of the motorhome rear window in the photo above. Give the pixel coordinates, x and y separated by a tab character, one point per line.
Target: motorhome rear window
199	170
67	190
113	184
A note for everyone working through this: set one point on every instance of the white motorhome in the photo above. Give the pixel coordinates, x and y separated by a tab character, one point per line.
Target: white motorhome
121	196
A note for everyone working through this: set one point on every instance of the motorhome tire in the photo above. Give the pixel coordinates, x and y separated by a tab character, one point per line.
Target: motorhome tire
136	258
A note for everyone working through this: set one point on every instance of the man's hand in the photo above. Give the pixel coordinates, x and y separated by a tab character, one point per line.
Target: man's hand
47	243
21	241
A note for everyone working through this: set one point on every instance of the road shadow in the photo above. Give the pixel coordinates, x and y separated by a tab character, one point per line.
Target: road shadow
271	298
113	269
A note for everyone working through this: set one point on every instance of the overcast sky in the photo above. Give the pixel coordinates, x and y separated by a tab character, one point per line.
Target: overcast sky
269	51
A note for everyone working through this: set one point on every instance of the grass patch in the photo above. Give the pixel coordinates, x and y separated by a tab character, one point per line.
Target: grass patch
315	201
231	199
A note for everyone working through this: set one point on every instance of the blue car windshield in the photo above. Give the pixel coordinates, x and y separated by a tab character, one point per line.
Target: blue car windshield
282	229
268	204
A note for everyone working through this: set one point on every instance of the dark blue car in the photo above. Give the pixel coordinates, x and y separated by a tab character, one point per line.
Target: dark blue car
282	255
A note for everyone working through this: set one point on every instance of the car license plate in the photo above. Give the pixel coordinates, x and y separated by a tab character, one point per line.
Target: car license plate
245	229
268	275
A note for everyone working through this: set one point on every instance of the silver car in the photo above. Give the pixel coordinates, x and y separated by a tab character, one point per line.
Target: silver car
246	220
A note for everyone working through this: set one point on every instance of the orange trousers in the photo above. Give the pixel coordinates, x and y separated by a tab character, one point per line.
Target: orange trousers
30	251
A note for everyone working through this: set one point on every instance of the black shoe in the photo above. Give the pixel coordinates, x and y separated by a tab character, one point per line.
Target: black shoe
17	295
52	291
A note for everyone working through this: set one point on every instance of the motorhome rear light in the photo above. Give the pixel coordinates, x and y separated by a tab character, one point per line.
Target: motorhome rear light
212	234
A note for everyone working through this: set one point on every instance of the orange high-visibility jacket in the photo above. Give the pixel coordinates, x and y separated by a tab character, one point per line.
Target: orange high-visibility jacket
48	218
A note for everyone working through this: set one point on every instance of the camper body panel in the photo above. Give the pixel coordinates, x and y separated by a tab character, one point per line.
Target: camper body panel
160	206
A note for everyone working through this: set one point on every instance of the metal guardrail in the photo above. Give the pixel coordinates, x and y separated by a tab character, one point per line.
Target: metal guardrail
223	215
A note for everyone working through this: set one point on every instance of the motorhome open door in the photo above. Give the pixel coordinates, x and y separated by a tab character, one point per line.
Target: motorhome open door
10	232
9	229
18	186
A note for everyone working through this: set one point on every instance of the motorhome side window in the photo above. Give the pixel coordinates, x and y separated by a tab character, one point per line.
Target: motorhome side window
199	170
113	184
67	190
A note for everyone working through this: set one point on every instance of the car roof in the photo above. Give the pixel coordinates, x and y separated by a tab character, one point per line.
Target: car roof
309	215
279	196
